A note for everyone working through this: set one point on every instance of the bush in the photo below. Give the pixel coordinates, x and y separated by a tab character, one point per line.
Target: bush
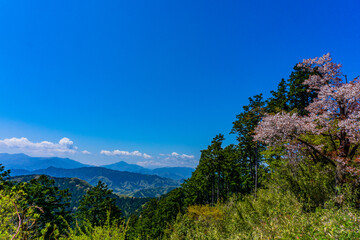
275	214
16	222
110	230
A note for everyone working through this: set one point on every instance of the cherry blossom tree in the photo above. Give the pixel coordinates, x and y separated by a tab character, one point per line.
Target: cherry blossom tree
331	129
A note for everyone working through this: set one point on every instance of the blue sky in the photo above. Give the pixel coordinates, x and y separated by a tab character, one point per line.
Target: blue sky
160	78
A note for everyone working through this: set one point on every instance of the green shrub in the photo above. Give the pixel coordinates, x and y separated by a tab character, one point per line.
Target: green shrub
16	222
110	230
274	214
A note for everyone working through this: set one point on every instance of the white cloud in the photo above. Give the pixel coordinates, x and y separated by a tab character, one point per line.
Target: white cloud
187	156
125	153
173	159
174	154
177	155
146	156
65	145
150	164
85	152
105	152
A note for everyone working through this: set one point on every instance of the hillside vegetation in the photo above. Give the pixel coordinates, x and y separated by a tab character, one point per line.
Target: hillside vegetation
78	188
124	183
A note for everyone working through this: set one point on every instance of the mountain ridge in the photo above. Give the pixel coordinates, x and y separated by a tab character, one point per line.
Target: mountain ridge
177	173
21	161
25	162
121	182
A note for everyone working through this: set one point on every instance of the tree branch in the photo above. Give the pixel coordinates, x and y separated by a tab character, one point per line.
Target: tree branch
353	151
332	140
316	151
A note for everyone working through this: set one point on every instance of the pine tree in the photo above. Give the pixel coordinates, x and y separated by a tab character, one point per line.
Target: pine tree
97	205
53	202
250	150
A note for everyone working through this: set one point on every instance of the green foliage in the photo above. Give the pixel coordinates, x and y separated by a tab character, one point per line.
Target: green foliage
53	202
111	229
95	205
204	211
279	101
130	205
124	183
158	215
207	182
297	202
4	178
151	192
17	222
78	188
146	226
9	219
292	94
299	95
251	161
131	232
312	183
274	214
221	172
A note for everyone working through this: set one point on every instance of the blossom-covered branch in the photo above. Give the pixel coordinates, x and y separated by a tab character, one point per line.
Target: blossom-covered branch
333	115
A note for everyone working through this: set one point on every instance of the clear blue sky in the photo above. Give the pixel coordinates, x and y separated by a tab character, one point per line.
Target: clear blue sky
152	76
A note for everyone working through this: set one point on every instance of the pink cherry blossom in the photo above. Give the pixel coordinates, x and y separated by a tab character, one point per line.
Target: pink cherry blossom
334	115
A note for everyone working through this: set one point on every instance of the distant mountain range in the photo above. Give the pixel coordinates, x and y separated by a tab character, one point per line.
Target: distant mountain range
22	161
124	166
25	163
121	182
123	178
178	173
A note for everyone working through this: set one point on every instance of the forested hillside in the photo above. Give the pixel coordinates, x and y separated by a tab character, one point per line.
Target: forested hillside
78	188
125	183
292	174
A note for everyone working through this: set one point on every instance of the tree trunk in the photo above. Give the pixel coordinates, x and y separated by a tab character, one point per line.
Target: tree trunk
256	169
339	175
218	190
212	194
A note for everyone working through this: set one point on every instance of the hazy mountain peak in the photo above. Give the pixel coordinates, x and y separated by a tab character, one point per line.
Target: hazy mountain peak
23	161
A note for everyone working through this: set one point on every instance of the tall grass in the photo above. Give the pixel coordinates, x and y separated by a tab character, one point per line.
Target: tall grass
273	215
111	230
299	202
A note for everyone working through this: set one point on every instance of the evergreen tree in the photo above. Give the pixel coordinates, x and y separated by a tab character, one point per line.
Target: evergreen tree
4	178
292	94
206	183
250	150
158	215
96	204
42	193
220	173
280	99
300	95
